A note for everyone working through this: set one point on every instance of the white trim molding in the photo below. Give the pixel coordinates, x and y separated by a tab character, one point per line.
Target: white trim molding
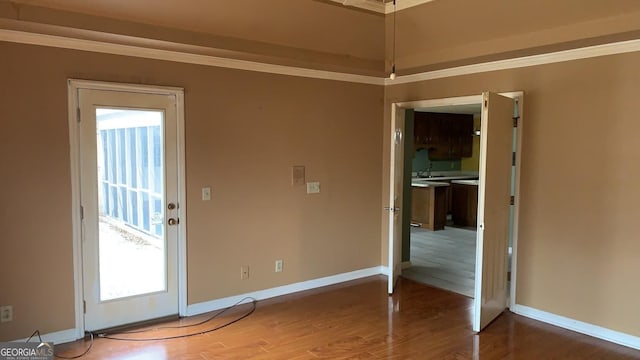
578	326
58	337
204	307
587	52
178	54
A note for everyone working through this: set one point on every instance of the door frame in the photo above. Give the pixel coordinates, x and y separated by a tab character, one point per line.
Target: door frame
74	85
453	101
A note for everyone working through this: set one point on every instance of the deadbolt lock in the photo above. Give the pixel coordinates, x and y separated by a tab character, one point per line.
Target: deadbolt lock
171	206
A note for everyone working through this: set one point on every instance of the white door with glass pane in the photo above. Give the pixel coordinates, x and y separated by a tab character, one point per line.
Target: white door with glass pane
129	193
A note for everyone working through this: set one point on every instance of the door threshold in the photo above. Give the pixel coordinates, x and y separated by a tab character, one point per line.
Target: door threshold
137	325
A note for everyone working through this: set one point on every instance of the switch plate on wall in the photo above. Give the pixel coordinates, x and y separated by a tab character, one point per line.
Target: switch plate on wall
278	265
313	187
206	193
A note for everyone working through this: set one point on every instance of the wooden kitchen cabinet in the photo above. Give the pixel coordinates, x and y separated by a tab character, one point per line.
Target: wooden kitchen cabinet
428	207
445	136
464	204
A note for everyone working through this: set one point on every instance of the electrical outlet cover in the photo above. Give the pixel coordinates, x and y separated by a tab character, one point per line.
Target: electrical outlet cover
6	313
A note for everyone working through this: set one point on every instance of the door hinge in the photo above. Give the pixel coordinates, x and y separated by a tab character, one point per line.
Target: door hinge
515	121
512	201
78	114
513	159
81	212
84	306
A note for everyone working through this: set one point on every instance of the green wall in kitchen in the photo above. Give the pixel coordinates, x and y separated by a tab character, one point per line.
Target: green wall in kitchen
421	162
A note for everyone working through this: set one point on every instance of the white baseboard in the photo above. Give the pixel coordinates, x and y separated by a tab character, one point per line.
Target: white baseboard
384	270
405	265
579	326
204	307
58	337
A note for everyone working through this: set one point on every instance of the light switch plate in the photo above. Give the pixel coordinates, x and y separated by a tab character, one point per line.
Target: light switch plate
297	175
313	187
206	193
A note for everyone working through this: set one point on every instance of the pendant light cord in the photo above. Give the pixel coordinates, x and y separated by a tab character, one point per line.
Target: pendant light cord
394	32
393	64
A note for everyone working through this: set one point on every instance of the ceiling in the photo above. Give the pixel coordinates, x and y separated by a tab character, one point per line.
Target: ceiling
310	25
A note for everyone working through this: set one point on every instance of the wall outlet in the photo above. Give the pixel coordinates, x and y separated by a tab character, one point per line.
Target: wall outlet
6	313
244	272
278	265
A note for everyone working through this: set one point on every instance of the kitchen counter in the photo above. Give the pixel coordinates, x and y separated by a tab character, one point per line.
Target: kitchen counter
427	183
466	182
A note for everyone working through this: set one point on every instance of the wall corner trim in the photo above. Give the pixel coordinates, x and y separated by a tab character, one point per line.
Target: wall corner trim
204	307
58	337
578	326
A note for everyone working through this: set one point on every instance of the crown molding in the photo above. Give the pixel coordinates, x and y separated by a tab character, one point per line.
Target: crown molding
587	52
162	50
190	54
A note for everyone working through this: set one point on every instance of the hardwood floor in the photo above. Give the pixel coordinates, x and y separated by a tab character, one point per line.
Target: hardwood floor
358	320
445	259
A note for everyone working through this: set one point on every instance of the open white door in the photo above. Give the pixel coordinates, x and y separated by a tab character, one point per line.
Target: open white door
395	195
494	195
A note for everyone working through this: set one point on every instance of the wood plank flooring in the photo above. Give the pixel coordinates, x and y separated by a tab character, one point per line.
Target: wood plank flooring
358	320
445	259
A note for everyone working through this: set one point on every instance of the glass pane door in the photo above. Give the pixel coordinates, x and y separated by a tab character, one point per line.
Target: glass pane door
131	239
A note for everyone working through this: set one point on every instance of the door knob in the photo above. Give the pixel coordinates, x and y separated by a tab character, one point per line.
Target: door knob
172	221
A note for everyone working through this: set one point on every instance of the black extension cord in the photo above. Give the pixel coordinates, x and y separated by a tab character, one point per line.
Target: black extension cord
115	337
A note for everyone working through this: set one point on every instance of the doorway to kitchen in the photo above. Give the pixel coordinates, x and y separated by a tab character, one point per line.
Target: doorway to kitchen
128	190
490	289
444	169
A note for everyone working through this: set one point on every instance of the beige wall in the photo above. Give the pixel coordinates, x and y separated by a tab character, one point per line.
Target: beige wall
243	132
578	246
442	34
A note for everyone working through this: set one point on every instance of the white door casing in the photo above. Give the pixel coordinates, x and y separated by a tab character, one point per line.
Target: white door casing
395	195
86	96
494	193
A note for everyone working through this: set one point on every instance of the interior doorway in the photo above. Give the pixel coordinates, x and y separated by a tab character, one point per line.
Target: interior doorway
128	188
445	154
494	192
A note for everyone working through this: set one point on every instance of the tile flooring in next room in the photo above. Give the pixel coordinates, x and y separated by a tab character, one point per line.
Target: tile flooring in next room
445	259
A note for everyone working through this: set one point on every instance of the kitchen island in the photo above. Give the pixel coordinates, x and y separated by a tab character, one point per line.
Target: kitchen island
429	204
465	202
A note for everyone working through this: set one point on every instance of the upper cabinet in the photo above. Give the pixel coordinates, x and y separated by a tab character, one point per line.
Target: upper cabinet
445	136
